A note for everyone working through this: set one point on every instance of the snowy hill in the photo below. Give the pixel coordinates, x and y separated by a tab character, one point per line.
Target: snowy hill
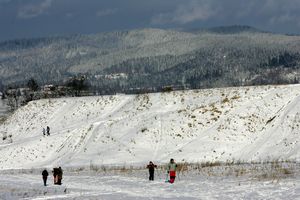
227	124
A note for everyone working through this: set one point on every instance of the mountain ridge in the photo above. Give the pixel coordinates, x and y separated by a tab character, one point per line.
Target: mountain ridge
233	59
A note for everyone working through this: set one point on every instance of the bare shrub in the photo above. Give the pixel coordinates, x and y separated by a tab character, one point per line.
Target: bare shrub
211	164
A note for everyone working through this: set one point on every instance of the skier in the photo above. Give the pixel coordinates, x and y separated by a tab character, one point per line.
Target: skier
151	167
172	170
48	130
45	176
44	131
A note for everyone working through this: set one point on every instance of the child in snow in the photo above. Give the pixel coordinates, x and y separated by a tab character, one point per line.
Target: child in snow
172	170
45	176
151	167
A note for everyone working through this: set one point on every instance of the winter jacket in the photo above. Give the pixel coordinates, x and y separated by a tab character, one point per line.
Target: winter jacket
45	174
151	167
60	173
172	166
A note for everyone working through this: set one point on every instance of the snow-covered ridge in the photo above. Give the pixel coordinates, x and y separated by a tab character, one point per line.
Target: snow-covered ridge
246	124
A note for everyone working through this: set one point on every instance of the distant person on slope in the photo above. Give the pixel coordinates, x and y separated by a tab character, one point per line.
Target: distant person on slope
172	166
45	176
44	131
48	130
151	168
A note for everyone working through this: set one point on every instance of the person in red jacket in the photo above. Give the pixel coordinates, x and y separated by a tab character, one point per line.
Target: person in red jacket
151	168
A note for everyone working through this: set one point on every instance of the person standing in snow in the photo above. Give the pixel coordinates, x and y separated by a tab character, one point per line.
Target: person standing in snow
172	166
151	168
44	131
55	175
48	130
45	176
60	173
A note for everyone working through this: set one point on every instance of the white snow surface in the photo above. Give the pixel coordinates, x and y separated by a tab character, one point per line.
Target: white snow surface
134	185
228	124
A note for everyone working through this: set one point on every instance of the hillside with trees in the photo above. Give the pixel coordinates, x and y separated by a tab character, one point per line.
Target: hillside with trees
151	59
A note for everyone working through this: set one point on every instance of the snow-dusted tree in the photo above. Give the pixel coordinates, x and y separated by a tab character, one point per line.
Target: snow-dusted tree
32	84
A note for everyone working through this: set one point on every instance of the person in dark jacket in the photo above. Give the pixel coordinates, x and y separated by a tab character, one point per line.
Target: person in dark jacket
151	168
60	173
55	175
45	176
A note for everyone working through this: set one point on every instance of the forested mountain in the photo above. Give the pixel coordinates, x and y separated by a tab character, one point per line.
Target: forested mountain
154	58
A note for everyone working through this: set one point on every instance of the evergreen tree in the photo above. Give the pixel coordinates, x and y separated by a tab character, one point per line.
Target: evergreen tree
32	84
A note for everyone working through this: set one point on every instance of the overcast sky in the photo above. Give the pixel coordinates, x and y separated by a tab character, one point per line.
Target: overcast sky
38	18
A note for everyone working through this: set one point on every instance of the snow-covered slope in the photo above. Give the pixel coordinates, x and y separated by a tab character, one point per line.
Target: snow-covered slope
227	124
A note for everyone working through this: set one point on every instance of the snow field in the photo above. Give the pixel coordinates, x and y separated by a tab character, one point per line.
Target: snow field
203	183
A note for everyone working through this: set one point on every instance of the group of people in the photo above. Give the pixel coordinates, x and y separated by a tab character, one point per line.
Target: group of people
57	176
171	170
46	131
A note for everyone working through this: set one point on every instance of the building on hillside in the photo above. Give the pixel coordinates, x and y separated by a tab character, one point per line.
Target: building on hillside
48	88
